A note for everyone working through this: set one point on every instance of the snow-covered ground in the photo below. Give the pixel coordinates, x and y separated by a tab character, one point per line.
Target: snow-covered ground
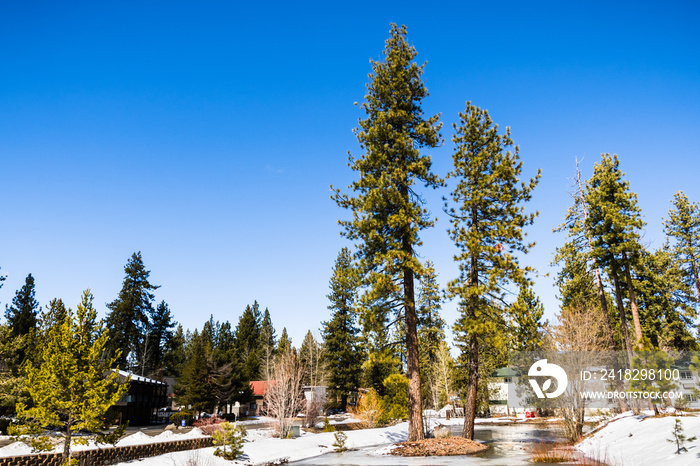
629	440
261	448
139	438
626	440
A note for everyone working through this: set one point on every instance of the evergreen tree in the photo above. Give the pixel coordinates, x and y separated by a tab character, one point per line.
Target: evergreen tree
284	347
72	386
488	222
683	227
129	313
13	383
248	341
21	316
666	301
21	320
577	288
574	280
229	379
526	325
614	220
580	278
195	387
174	355
431	327
340	333
160	331
431	331
388	214
310	358
268	342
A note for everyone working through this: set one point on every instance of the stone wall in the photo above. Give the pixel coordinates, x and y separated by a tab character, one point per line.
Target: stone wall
105	456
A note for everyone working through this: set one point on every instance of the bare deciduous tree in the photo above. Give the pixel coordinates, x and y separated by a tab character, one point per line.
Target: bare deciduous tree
579	340
440	376
284	397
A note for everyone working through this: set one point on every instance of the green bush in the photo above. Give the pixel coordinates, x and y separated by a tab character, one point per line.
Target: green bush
229	439
396	398
327	427
179	416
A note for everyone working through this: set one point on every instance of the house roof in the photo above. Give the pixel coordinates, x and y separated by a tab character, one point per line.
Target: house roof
137	378
505	372
260	387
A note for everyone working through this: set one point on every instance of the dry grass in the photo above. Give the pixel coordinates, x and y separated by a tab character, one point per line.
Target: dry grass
341	427
558	453
439	447
551	453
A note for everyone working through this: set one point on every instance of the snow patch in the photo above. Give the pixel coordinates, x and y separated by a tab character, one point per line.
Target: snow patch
640	440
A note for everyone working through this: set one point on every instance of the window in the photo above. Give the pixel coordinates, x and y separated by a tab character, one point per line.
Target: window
507	379
686	375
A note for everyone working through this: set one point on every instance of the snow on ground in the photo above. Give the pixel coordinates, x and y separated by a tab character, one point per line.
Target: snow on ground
264	450
333	422
629	440
259	447
256	421
139	438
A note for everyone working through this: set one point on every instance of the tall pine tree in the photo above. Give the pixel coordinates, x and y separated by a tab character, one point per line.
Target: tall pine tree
129	314
388	213
580	279
526	325
22	320
268	345
343	358
248	341
174	354
284	346
683	227
160	331
72	386
614	221
487	227
431	331
21	316
195	388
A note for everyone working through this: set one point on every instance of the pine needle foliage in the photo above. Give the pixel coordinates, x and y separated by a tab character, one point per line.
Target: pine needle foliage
488	222
229	440
340	333
128	319
72	386
614	222
679	438
683	227
388	212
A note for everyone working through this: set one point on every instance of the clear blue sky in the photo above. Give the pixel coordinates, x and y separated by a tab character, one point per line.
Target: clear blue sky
206	134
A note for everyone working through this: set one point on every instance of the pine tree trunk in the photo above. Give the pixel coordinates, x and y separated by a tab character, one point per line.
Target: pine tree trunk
66	443
622	403
470	406
415	408
633	302
623	318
